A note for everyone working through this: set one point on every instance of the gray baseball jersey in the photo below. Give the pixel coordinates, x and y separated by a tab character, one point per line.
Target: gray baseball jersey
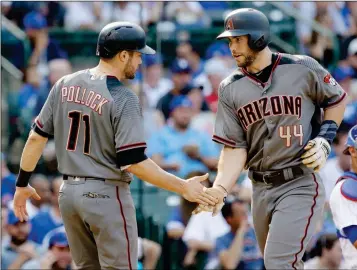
92	119
276	119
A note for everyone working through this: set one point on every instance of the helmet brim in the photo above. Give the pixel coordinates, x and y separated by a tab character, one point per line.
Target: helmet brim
147	50
232	33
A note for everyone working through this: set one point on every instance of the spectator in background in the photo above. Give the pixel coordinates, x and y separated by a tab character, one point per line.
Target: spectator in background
86	15
309	10
321	47
57	69
148	253
191	150
8	181
177	223
343	75
327	254
42	186
216	72
29	95
181	76
48	219
195	95
50	164
58	255
350	116
155	85
337	165
186	51
351	15
155	11
237	249
129	11
44	49
4	234
220	50
186	14
18	248
351	55
182	213
201	233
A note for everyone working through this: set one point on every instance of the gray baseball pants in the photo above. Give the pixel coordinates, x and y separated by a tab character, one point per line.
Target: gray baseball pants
285	218
100	221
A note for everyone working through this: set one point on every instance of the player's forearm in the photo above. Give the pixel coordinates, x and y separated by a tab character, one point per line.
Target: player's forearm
150	172
160	162
230	165
32	151
336	113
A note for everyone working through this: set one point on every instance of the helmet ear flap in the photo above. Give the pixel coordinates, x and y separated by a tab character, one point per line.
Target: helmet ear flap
257	42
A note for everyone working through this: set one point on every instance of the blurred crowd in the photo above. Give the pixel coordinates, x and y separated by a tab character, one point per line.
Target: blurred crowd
179	104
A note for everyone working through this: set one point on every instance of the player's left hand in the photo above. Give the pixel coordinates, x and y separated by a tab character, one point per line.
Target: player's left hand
20	198
216	192
317	153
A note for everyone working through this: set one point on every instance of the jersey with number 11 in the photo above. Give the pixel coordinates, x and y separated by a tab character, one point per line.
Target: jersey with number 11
93	119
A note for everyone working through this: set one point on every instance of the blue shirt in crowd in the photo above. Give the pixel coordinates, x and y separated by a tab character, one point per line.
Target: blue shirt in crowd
251	257
9	255
8	188
42	223
169	142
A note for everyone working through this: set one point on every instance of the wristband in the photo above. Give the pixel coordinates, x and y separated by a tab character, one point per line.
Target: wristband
328	130
23	178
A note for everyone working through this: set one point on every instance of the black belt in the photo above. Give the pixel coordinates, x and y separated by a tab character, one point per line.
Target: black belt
65	177
276	178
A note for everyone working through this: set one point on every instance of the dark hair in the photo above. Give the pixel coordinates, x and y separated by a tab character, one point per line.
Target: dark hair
227	207
131	53
343	129
325	241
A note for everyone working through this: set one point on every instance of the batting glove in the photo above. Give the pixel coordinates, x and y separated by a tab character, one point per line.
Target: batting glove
317	153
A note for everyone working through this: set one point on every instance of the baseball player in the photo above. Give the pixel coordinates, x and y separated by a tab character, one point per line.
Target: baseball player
270	121
343	203
98	133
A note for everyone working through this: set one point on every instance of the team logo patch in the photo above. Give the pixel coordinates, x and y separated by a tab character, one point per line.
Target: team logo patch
329	80
229	24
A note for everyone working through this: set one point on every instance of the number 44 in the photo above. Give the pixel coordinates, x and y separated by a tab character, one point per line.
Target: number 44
285	133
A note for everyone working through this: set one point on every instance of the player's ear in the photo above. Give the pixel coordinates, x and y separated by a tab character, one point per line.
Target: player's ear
123	56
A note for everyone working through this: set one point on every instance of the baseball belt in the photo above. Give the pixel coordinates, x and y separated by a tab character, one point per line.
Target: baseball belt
78	178
276	178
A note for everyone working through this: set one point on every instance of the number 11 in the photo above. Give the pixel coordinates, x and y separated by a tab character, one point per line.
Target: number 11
75	117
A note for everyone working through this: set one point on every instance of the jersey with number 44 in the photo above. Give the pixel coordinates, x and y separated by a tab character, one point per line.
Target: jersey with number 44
93	120
276	119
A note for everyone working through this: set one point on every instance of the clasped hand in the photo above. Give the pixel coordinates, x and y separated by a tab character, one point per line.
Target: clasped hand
209	199
216	192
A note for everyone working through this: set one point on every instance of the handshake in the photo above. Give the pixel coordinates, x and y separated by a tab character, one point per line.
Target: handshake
209	199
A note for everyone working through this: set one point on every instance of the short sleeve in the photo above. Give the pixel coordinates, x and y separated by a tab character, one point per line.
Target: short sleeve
228	129
128	124
326	92
44	121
